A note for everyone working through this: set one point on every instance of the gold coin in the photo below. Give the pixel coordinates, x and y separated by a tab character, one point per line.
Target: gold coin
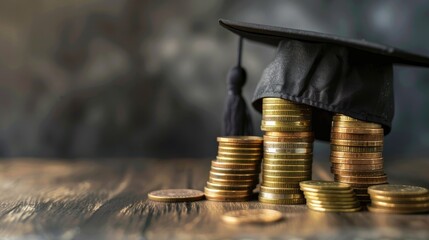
240	155
249	151
283	167
351	202
234	176
234	170
280	184
327	191
288	162
286	118
358	130
333	206
357	167
331	195
252	216
229	187
284	179
288	150
176	195
361	180
331	199
287	173
354	124
324	185
280	190
279	100
224	192
348	161
357	137
232	160
269	144
399	205
254	159
282	201
397	190
278	196
287	156
252	166
287	135
304	123
240	139
360	173
396	211
342	117
285	129
299	113
324	209
217	198
356	149
284	105
233	182
240	145
343	142
395	199
357	156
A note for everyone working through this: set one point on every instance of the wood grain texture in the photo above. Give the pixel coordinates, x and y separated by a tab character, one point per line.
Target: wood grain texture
53	199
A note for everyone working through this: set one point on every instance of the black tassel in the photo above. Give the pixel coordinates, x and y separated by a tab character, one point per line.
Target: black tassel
237	120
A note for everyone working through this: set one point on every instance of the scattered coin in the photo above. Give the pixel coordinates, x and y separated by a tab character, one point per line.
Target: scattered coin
258	216
176	195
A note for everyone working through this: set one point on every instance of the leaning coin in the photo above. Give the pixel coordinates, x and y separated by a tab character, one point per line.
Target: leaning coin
252	216
176	195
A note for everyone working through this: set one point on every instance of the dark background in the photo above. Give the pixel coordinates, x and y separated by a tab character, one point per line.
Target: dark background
105	78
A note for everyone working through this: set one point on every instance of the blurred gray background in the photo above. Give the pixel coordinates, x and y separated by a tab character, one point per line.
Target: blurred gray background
106	78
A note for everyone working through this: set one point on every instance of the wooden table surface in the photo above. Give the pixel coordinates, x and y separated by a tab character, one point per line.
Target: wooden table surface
107	199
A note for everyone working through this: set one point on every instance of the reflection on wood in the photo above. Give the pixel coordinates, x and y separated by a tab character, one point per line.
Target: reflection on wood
44	199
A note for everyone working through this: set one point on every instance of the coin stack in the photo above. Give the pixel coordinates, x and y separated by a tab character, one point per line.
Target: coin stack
235	172
356	154
288	151
389	198
328	196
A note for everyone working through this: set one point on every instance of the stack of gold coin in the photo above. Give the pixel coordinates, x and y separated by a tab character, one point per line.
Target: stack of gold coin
389	198
288	151
328	196
235	172
356	154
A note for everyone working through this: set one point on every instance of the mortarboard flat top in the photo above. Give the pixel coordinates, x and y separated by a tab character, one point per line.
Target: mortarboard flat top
272	35
331	73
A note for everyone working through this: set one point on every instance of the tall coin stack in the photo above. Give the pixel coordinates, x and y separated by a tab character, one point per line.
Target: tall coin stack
235	172
288	151
356	154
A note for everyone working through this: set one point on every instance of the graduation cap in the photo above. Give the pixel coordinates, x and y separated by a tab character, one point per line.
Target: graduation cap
330	73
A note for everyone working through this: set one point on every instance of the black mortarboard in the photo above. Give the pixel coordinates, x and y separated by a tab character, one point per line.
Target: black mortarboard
333	74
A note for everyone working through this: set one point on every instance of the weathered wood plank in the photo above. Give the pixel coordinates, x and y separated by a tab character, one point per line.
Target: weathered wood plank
51	199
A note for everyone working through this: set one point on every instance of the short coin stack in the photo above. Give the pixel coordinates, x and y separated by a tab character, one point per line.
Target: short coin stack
288	151
235	172
356	154
403	199
328	196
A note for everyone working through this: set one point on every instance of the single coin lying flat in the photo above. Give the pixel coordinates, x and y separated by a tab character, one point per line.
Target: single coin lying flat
176	195
252	216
